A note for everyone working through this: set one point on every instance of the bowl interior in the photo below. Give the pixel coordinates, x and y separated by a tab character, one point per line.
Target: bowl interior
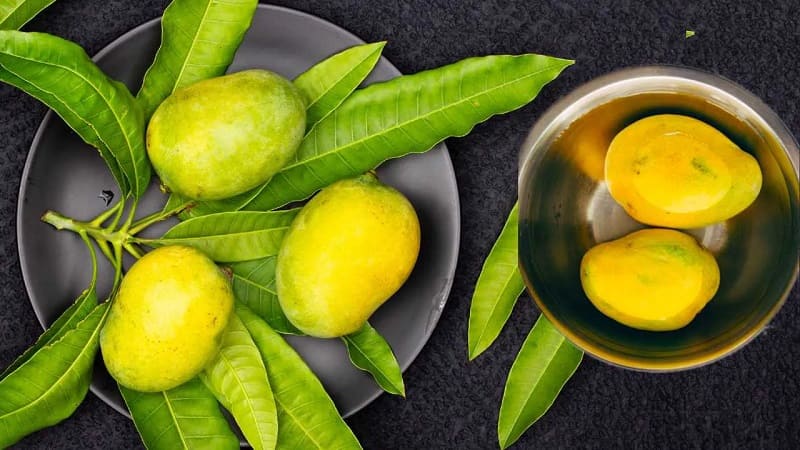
565	209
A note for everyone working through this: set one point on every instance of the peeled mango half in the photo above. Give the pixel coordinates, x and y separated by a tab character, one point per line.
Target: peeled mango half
675	171
653	279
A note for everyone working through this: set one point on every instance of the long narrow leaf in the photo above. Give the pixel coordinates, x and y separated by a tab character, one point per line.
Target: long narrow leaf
16	13
198	41
66	322
408	114
370	352
254	286
499	285
327	84
50	384
238	379
184	418
307	417
231	237
544	364
102	111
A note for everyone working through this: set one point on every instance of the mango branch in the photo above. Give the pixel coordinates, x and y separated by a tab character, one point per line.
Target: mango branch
61	222
108	240
112	239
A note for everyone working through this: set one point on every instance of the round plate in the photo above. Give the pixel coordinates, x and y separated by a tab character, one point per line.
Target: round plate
64	174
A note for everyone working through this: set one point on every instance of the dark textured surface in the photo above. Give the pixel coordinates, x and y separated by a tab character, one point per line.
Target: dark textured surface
749	400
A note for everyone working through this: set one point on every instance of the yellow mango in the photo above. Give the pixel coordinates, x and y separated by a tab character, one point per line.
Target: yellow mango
348	251
675	171
653	279
167	319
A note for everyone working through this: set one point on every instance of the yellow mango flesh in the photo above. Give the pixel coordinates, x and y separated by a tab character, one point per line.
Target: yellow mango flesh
653	279
166	322
222	136
675	171
347	252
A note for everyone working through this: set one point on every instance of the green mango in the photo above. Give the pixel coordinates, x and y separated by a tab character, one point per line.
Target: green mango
223	136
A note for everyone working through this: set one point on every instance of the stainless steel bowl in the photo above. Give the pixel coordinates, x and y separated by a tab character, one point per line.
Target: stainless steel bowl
565	209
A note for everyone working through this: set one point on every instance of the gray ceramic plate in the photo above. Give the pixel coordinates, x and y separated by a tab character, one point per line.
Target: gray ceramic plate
64	174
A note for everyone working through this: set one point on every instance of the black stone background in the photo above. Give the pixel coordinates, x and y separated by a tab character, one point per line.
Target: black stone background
749	400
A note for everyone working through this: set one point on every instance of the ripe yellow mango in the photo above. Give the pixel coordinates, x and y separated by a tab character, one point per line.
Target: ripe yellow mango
167	319
675	171
223	136
348	251
653	279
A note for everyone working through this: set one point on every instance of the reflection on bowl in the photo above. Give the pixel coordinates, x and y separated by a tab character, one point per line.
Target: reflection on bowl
565	209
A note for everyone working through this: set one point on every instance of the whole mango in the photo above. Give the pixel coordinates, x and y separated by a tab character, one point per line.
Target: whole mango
167	319
348	251
223	136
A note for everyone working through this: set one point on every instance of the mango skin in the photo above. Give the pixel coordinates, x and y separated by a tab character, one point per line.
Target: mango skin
348	251
653	279
675	171
167	319
223	136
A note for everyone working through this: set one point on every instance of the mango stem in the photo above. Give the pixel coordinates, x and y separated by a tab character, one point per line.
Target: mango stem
156	217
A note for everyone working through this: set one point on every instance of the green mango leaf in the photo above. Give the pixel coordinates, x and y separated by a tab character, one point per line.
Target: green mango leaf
187	417
327	84
231	237
544	364
50	384
198	41
254	286
499	286
16	13
370	352
408	114
238	379
66	322
101	111
307	417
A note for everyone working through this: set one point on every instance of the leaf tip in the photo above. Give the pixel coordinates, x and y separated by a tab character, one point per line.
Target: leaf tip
503	442
476	349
